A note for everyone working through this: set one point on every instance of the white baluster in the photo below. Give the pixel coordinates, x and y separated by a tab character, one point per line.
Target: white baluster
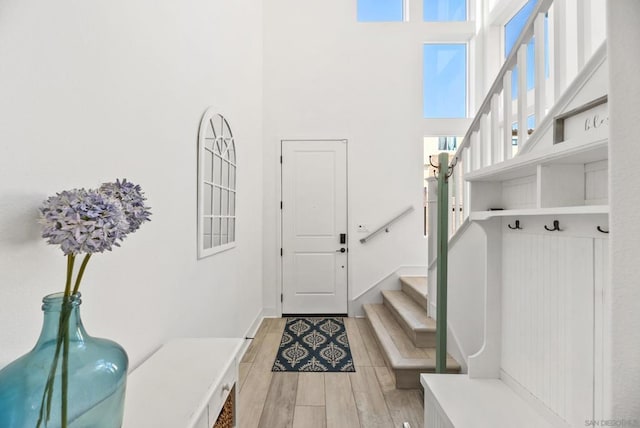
432	218
584	31
507	118
551	96
522	96
459	173
485	141
476	154
495	129
466	158
540	75
451	205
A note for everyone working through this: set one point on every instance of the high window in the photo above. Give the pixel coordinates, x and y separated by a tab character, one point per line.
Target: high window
217	185
512	31
445	10
380	10
445	81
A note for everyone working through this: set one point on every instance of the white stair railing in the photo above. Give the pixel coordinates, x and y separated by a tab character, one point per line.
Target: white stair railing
490	138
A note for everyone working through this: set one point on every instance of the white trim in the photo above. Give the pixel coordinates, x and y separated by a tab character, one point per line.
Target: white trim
390	281
277	312
452	240
250	332
532	401
503	11
595	62
525	164
206	252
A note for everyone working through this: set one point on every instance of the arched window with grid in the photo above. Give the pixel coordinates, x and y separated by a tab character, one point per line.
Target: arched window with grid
217	185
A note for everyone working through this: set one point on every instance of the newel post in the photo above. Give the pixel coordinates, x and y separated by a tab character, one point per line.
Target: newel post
442	253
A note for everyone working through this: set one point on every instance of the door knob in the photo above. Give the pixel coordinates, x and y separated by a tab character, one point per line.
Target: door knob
341	250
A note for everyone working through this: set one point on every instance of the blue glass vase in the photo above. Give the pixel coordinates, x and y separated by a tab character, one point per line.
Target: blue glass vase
33	389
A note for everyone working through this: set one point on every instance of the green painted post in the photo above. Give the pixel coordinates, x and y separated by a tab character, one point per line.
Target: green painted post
443	249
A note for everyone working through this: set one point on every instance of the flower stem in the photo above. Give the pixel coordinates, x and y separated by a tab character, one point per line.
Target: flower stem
67	287
66	309
65	372
45	406
62	341
81	272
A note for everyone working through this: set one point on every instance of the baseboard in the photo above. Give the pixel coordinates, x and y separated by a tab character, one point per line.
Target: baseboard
250	333
532	400
270	313
390	281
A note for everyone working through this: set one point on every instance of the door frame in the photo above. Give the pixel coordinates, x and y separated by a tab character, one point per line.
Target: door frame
280	228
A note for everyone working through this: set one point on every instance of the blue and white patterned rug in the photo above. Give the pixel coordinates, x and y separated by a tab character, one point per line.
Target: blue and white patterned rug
314	344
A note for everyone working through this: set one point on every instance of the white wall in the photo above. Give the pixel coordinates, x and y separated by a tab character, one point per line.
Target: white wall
623	37
327	76
466	283
96	90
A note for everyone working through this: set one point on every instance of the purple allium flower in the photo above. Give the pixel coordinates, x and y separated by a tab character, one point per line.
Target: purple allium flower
132	199
83	221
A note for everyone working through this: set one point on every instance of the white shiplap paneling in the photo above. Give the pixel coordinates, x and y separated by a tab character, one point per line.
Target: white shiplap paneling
548	319
601	276
434	416
519	193
596	182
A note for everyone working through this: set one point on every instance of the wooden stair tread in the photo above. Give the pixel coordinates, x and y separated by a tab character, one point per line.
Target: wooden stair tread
417	287
419	283
411	312
398	349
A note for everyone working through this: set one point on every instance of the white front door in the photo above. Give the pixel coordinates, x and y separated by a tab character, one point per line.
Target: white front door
314	227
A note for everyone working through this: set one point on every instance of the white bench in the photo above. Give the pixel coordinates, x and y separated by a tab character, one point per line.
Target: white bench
457	401
184	384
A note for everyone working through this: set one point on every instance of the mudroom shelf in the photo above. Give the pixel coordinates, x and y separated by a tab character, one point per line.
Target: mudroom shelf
583	209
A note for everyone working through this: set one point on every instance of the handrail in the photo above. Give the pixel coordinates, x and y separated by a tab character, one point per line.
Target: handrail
385	227
526	34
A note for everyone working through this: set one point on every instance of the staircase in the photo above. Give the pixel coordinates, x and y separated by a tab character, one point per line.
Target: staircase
406	335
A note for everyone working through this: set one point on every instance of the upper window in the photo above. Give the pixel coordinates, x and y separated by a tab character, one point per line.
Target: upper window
514	27
445	10
512	31
217	185
380	10
445	81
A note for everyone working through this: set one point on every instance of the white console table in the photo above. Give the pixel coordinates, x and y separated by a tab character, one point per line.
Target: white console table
183	385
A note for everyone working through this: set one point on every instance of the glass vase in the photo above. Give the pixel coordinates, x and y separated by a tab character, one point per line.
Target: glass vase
34	391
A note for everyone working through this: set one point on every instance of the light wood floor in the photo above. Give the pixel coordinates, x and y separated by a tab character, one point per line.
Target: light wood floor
366	398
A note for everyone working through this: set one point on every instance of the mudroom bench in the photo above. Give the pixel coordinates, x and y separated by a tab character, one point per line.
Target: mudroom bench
187	383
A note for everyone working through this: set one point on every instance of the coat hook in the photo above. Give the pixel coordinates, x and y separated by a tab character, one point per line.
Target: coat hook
556	226
452	166
432	164
602	230
516	227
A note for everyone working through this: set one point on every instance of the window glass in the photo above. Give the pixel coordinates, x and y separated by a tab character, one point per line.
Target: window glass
380	10
515	25
445	81
512	31
445	10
